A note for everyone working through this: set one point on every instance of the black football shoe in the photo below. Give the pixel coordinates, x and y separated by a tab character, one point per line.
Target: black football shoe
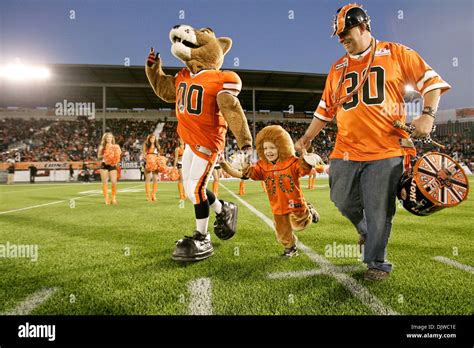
226	222
290	252
195	248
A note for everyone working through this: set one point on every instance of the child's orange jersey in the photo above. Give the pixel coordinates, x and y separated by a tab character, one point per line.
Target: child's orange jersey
365	121
199	119
283	183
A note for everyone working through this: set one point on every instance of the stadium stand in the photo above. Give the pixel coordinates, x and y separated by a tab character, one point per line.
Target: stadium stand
44	140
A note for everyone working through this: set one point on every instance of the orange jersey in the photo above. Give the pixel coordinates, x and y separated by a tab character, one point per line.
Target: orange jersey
199	119
365	121
151	150
283	184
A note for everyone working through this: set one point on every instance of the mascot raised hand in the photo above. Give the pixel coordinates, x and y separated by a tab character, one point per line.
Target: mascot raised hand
206	105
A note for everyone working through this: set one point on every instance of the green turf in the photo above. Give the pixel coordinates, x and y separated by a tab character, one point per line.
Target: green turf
117	259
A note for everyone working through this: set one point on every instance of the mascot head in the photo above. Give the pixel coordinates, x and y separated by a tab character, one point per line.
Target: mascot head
278	136
198	48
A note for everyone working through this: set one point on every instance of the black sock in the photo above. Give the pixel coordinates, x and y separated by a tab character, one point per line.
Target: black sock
201	210
210	197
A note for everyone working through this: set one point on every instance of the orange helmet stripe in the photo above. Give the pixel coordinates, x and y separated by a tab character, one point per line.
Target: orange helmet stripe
341	18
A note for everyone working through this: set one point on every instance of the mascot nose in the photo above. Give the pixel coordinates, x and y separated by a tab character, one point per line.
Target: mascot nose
176	26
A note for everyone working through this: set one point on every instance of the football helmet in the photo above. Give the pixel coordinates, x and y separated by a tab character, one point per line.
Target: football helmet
348	17
435	182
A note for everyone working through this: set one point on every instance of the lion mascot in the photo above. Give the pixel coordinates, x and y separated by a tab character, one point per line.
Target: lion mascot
206	105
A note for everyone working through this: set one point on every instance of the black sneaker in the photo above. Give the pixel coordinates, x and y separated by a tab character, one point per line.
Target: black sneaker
290	252
226	222
314	213
195	248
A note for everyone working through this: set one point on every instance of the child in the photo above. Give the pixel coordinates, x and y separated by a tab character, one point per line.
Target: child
280	169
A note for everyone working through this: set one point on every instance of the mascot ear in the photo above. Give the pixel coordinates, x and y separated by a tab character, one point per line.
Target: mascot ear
225	43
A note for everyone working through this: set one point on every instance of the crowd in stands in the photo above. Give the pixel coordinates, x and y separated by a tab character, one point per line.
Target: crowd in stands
77	140
47	140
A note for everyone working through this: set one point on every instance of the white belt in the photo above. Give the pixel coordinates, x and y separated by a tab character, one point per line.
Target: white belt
203	150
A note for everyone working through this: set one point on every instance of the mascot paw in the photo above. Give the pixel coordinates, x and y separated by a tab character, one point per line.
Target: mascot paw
152	58
312	159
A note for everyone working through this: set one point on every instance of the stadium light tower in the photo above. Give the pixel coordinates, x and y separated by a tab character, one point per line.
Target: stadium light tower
20	72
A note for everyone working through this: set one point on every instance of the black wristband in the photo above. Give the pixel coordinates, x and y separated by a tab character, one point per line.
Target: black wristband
432	114
428	110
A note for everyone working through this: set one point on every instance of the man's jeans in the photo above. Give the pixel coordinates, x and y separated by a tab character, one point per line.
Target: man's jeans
365	192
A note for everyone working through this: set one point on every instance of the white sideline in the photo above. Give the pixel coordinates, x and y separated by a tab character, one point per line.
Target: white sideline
201	297
32	302
56	202
31	190
453	263
359	291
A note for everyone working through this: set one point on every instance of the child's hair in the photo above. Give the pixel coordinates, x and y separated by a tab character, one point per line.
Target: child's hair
278	136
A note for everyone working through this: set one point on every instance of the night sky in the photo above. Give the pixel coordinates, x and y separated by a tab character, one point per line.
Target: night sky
114	32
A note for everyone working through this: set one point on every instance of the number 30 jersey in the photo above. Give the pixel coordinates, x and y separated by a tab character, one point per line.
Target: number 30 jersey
199	119
365	121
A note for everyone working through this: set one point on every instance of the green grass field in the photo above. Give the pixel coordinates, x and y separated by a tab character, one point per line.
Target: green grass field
117	259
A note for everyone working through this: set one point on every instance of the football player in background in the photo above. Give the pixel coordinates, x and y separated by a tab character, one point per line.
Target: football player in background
364	91
109	153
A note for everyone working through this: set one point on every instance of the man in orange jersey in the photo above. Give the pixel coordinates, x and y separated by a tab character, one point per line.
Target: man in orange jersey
364	90
206	104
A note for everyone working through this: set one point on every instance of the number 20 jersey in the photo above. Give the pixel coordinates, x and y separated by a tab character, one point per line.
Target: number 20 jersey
365	121
199	119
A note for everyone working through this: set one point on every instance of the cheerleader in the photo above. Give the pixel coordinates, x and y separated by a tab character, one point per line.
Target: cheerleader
151	153
216	175
319	168
311	177
178	156
109	153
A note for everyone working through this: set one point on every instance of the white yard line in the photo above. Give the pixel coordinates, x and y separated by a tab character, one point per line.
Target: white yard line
295	274
328	268
313	272
32	302
453	263
201	297
56	202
